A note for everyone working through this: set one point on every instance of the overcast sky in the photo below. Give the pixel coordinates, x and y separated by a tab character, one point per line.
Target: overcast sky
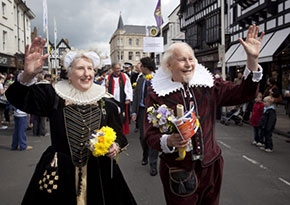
91	23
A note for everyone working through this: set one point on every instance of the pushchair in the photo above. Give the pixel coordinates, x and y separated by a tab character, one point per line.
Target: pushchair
235	114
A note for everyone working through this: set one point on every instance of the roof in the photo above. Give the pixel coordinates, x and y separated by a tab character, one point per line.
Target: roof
132	29
120	23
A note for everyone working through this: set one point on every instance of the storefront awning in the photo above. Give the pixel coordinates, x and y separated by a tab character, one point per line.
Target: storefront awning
273	44
239	58
231	51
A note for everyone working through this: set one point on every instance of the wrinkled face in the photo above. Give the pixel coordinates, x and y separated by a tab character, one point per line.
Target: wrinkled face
82	74
116	69
182	64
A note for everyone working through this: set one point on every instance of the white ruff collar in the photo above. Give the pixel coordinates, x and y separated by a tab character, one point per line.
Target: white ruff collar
162	82
66	91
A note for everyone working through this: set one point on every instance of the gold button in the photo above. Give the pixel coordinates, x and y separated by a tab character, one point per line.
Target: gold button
81	144
84	121
80	161
82	135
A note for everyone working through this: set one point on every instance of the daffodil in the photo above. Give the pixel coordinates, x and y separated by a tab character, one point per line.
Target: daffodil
101	141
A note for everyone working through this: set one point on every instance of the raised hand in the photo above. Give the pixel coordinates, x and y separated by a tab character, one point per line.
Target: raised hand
34	59
252	46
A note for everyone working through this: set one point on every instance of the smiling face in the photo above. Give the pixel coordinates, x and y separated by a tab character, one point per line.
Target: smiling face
82	74
182	64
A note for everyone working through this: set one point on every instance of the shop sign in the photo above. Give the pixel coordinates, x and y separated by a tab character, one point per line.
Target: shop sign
7	61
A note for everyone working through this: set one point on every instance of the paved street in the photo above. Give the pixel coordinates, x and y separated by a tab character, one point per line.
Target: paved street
251	176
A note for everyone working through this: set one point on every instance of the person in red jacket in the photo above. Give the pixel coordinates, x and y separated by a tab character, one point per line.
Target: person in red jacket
257	113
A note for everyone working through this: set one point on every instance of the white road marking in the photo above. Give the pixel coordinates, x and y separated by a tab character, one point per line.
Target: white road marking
224	144
283	180
254	162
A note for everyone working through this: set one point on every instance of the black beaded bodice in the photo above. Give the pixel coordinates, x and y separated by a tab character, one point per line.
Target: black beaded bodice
80	122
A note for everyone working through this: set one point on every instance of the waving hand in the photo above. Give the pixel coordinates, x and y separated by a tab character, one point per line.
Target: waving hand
34	59
252	46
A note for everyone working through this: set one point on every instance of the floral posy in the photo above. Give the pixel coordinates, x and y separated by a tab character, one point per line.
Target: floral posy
101	140
161	117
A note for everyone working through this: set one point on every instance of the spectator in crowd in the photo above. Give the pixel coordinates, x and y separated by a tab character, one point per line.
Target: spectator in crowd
3	101
19	134
119	85
272	90
257	113
267	123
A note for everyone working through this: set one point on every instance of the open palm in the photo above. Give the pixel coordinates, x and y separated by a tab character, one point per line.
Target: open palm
34	59
252	45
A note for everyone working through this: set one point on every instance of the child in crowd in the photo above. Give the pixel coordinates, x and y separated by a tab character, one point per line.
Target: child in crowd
257	113
267	123
19	135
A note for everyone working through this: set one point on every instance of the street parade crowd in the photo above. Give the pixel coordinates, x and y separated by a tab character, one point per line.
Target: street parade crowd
173	108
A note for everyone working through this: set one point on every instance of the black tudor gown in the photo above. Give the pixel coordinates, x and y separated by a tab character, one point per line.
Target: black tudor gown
70	126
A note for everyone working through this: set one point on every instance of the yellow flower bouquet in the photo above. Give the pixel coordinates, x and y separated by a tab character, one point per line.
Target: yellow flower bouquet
101	140
148	77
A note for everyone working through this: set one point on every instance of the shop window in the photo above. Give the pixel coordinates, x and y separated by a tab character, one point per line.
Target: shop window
137	56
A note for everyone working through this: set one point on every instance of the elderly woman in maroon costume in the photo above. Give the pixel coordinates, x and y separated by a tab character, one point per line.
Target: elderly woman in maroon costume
181	80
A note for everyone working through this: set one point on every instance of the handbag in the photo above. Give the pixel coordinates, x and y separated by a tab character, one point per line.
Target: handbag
182	183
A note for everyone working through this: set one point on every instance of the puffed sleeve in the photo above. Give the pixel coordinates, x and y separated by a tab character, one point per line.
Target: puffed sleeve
37	99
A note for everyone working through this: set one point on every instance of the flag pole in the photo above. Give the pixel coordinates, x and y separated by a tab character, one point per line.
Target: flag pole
45	30
47	43
55	56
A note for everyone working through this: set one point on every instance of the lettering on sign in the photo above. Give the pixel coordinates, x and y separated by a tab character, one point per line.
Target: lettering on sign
3	60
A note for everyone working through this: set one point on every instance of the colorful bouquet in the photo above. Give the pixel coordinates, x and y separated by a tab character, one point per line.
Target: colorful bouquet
161	117
101	140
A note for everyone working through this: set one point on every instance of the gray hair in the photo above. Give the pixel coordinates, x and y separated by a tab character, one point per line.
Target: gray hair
168	55
115	63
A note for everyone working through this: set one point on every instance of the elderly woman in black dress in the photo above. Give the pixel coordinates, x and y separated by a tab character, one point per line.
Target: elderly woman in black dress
67	171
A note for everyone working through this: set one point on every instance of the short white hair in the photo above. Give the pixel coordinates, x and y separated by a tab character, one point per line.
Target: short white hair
167	56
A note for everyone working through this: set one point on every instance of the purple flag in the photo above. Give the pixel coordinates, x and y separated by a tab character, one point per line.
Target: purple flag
157	14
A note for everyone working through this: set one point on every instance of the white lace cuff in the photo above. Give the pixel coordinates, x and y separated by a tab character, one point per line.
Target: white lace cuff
257	75
33	81
163	143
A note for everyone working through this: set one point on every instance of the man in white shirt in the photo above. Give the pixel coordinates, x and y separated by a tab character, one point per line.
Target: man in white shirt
120	86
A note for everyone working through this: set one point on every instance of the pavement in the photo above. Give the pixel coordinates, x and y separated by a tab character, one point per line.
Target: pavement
283	122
